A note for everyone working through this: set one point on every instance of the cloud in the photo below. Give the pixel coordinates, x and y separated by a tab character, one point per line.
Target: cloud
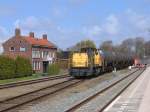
61	36
92	31
111	26
139	21
59	12
33	23
106	30
115	27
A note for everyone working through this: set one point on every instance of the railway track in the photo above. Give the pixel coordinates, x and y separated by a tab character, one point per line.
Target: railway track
20	100
22	83
82	105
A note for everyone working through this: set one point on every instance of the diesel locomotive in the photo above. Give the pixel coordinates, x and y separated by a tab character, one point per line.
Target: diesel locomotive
92	61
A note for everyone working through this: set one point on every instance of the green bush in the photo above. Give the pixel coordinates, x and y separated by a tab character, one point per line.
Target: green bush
10	68
23	67
7	67
53	69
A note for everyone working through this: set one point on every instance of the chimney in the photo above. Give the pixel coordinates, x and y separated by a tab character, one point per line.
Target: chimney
17	32
45	36
31	34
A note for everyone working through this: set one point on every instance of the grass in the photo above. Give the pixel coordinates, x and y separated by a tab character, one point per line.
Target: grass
34	76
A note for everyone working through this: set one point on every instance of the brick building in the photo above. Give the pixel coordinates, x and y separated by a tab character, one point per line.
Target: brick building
41	52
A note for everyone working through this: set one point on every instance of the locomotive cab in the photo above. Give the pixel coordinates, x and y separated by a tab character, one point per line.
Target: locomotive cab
85	62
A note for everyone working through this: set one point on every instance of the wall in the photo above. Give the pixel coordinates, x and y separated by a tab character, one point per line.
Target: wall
17	42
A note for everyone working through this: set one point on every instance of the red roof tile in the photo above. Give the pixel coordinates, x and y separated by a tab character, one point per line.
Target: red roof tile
40	42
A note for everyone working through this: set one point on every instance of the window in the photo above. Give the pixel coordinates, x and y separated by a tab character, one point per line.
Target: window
45	54
35	54
36	65
12	49
42	54
50	54
22	49
53	55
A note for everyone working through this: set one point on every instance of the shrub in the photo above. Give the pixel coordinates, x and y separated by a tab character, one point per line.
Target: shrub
53	69
7	67
23	67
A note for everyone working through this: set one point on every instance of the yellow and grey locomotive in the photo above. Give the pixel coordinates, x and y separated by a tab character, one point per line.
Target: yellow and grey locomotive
91	61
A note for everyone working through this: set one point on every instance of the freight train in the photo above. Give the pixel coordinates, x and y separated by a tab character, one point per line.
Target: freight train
92	62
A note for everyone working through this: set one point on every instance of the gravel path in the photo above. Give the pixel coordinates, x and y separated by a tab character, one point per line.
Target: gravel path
60	103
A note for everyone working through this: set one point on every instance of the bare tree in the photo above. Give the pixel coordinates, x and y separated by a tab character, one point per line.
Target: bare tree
147	48
127	46
139	45
82	44
107	45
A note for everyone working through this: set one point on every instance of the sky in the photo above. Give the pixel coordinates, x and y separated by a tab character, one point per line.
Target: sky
67	22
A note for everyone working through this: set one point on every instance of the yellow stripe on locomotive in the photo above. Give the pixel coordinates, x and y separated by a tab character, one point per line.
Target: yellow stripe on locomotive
79	60
97	59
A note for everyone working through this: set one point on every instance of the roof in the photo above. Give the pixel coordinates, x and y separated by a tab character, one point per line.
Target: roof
40	42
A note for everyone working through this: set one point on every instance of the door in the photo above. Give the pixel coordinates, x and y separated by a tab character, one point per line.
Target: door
45	66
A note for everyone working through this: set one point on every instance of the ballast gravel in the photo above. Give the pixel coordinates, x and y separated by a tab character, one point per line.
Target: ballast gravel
61	103
19	90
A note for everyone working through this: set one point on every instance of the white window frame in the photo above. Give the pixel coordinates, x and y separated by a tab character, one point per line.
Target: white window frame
53	54
45	54
22	49
50	54
42	55
36	65
35	54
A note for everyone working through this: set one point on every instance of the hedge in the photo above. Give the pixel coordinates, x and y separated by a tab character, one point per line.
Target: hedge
7	67
53	69
23	67
10	68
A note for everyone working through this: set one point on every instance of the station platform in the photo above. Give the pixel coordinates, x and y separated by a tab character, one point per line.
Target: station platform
136	98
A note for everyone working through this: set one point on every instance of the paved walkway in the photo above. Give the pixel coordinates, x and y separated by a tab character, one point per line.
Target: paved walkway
134	99
145	104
